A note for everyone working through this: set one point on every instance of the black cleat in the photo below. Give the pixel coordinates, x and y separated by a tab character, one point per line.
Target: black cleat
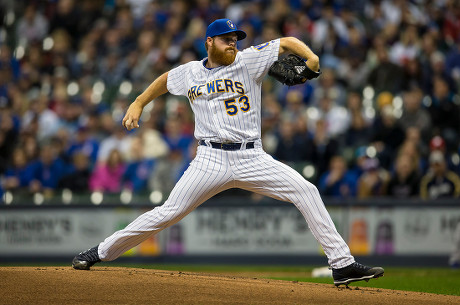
86	259
355	272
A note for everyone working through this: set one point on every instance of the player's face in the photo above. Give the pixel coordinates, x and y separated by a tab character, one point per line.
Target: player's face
222	49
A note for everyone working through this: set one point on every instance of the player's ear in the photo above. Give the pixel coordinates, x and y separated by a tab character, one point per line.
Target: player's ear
209	42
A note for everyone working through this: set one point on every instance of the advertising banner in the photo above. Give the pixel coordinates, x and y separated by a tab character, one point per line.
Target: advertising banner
55	232
223	230
252	230
402	231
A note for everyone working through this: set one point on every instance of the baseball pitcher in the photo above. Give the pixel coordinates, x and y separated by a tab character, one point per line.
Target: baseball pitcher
224	91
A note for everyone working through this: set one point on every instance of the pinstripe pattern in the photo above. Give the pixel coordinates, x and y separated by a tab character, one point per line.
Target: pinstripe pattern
215	170
260	173
211	119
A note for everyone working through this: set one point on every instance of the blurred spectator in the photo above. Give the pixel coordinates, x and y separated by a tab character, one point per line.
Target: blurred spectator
387	135
321	147
407	48
291	145
428	49
79	174
102	126
325	26
338	182
445	113
59	144
451	27
153	144
33	26
437	69
84	143
271	113
353	70
107	176
47	121
294	108
295	112
167	172
418	146
85	60
359	133
439	182
49	170
414	115
413	75
70	116
30	145
66	17
359	161
409	148
10	69
374	181
328	86
20	174
451	157
404	181
175	136
142	62
170	168
335	117
112	70
386	76
138	169
117	141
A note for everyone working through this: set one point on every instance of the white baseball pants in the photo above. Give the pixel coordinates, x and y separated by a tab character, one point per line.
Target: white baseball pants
215	170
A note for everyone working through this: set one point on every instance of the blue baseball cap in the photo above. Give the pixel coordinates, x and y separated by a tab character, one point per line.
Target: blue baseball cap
224	26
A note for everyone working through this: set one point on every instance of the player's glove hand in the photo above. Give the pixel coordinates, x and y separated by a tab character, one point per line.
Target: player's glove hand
292	70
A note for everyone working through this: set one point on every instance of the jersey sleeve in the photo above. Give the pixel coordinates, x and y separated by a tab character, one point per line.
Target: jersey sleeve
176	83
258	59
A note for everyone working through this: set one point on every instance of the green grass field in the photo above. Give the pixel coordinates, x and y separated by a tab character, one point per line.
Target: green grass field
431	280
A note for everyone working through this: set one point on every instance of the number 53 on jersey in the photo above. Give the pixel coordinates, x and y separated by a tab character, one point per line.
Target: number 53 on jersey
233	105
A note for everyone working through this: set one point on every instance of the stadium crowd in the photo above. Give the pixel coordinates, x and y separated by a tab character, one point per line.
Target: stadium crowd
382	120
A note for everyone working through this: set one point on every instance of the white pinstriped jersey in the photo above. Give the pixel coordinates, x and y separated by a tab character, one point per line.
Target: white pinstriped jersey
226	100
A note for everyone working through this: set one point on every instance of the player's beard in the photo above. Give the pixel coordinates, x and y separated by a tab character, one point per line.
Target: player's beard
225	57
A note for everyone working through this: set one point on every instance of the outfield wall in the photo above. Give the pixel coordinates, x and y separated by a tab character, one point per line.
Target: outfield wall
234	227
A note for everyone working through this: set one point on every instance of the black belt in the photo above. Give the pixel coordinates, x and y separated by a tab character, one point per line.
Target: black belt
227	146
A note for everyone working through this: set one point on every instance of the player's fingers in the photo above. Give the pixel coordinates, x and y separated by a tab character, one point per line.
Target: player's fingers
127	123
135	123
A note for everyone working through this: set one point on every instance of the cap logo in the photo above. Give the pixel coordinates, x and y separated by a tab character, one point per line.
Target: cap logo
230	24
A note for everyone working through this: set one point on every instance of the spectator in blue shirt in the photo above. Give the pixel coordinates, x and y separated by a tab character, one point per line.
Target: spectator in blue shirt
338	182
21	173
176	138
49	170
138	169
84	143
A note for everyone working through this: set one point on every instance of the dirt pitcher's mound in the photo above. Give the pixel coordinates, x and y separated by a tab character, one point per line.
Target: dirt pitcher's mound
102	285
